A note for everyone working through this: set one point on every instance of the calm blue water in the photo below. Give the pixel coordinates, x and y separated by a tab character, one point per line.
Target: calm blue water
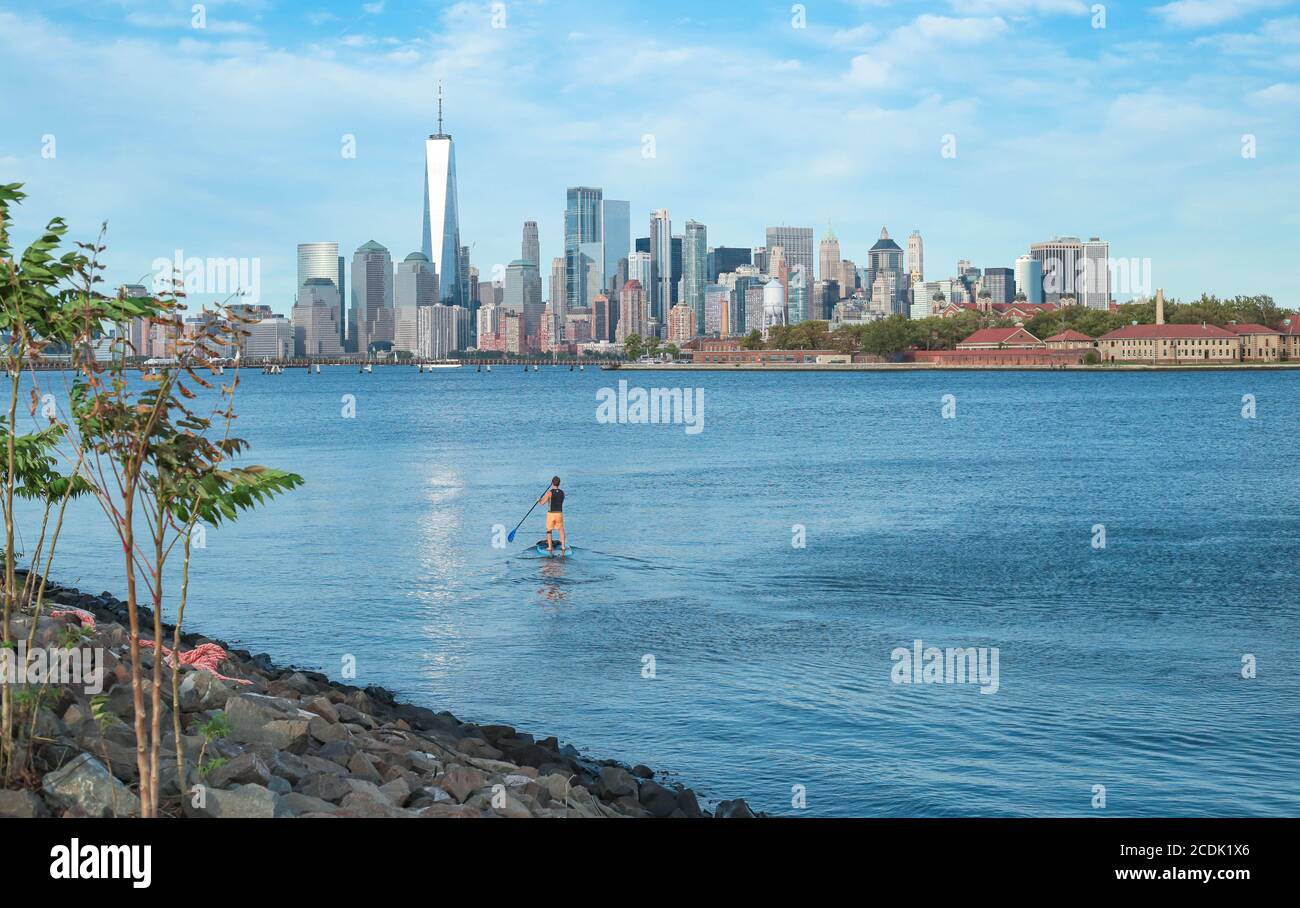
1118	667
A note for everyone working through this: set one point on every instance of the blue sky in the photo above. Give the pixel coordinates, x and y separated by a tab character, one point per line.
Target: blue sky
226	141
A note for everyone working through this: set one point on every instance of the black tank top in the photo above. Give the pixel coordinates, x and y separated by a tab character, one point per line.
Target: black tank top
557	501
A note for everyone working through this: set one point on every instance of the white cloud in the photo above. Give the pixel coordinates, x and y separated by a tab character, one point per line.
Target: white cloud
375	8
1202	13
1281	93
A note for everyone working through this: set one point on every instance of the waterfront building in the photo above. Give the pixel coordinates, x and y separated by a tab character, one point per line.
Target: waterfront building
633	312
1259	343
1029	278
441	329
270	337
681	324
694	266
1000	338
372	291
1291	338
406	327
441	239
315	319
322	260
1169	344
1071	340
604	319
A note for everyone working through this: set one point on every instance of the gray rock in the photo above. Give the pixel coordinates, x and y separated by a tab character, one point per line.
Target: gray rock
201	691
658	800
616	782
245	769
461	781
297	803
397	791
736	809
326	731
85	785
22	805
641	771
246	802
363	765
689	804
360	804
325	787
258	719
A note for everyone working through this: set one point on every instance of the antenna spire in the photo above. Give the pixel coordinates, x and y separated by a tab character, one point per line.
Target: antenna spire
440	107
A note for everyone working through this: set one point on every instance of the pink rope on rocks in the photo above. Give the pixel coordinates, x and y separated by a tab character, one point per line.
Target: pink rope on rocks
86	618
206	656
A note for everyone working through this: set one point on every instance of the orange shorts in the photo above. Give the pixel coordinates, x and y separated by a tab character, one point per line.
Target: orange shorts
554	520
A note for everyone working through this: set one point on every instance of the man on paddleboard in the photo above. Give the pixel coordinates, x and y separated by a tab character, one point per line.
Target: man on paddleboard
555	516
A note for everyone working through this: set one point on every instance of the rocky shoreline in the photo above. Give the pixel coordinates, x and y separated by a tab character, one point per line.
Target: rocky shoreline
262	742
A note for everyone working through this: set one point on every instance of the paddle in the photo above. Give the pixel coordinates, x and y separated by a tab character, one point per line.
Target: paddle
511	537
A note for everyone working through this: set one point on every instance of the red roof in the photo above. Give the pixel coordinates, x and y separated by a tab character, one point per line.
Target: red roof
1147	332
1069	335
1249	328
993	336
1292	325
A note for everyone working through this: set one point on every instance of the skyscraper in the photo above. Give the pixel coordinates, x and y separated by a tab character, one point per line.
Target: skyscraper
372	291
322	260
1000	283
523	295
726	259
915	257
661	266
695	251
1059	258
615	240
633	311
828	257
799	294
1095	292
1029	278
582	234
798	245
886	277
531	248
441	244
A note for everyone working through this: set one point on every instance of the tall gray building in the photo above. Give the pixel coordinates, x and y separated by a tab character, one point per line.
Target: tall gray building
695	266
523	295
531	248
661	267
582	233
615	240
322	260
797	243
372	291
887	276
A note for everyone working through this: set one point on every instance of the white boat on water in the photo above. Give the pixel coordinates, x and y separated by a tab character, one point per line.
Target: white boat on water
442	364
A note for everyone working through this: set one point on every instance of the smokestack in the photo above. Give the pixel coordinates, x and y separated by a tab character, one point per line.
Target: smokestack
1160	307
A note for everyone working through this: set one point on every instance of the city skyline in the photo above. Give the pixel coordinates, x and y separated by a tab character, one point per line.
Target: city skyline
881	164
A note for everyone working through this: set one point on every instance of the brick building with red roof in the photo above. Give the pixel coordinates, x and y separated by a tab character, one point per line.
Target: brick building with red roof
1258	342
1169	344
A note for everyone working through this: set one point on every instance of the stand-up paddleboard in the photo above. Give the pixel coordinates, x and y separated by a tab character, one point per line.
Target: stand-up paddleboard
556	552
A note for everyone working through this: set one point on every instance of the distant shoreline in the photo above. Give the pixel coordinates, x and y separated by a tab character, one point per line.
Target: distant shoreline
935	367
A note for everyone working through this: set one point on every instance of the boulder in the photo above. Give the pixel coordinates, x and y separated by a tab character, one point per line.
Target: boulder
258	719
615	782
245	769
657	799
201	691
84	785
461	781
244	802
325	787
736	809
296	803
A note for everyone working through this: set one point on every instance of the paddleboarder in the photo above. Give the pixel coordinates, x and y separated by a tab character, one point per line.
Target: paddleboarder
555	516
